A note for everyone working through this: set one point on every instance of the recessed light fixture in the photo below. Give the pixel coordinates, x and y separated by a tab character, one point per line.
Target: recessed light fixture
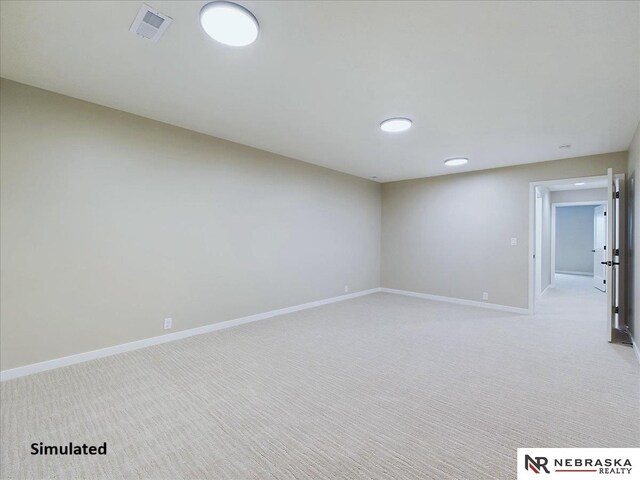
229	23
394	125
578	184
565	146
456	161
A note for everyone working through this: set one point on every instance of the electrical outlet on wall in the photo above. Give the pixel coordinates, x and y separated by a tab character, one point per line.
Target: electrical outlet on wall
346	288
485	295
167	323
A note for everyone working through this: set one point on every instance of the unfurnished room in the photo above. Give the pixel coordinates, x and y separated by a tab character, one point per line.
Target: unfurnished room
377	240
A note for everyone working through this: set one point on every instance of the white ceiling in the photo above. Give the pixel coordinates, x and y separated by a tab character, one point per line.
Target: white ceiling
502	83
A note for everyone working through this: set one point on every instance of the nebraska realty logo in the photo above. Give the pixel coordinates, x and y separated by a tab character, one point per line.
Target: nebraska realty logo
576	463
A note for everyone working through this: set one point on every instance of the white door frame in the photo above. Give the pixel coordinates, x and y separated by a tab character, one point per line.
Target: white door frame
532	233
538	242
595	203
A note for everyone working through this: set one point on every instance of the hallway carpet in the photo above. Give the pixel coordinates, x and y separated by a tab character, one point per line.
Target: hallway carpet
378	387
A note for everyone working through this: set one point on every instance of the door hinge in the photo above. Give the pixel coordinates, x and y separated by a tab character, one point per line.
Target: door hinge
605	214
604	281
616	195
616	252
616	310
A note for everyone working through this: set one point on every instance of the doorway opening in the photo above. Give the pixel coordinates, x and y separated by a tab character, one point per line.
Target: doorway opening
579	236
576	245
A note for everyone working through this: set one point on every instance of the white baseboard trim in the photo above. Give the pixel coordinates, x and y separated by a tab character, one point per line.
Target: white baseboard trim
567	272
460	301
170	337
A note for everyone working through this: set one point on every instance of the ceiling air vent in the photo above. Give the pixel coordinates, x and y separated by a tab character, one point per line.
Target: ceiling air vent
150	23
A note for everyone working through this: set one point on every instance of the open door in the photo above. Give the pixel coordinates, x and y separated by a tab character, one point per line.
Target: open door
613	262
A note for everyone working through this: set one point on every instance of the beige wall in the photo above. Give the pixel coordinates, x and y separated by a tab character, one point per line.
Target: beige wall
450	235
112	222
633	265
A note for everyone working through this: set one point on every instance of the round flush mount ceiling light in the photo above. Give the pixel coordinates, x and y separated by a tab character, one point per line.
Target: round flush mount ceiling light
394	125
578	184
456	161
229	23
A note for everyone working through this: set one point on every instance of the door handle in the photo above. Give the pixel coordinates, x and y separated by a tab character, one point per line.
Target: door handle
606	263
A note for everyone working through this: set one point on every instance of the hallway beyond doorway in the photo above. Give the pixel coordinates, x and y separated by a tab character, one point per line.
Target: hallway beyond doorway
577	285
576	293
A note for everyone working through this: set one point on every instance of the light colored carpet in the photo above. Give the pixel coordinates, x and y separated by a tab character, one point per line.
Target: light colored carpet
379	387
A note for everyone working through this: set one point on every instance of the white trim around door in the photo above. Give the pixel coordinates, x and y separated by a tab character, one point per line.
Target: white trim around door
532	232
